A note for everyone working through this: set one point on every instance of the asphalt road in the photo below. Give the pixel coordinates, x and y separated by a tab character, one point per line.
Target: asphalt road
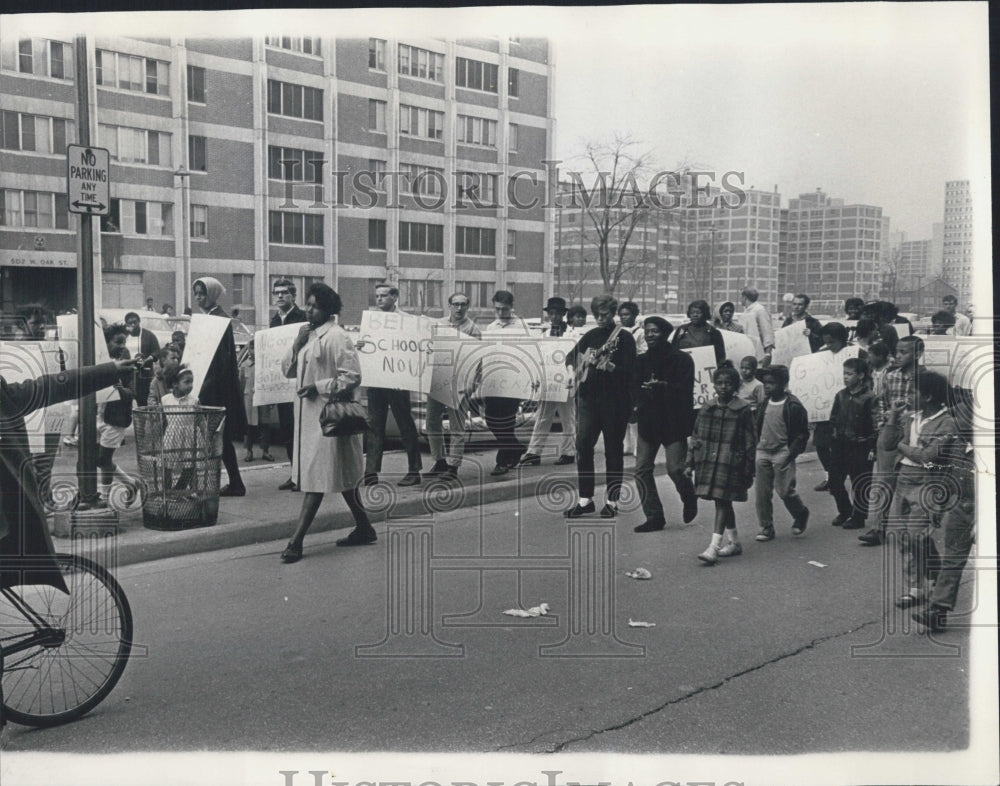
751	656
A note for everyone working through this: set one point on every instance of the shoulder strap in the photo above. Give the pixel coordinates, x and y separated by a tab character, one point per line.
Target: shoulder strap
613	336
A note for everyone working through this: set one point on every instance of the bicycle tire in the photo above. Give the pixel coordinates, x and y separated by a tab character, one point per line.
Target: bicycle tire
42	686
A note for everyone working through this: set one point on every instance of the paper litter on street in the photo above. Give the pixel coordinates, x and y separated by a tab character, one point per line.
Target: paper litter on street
535	611
639	573
817	564
640	624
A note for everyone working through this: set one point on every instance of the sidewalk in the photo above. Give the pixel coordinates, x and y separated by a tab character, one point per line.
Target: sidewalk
267	514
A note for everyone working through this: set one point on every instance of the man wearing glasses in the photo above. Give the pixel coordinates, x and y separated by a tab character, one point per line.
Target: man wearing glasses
287	313
500	411
446	467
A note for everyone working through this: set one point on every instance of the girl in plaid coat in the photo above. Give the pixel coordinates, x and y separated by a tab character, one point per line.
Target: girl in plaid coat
723	448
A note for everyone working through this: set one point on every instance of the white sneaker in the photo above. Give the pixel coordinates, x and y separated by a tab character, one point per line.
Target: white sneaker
710	555
731	550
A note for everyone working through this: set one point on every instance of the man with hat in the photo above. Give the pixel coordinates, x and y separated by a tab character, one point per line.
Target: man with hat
555	312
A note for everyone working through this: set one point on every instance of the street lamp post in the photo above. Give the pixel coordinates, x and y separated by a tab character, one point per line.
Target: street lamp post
184	289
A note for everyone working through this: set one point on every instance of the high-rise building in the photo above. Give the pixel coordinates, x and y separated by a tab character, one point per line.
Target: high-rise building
956	259
831	251
348	161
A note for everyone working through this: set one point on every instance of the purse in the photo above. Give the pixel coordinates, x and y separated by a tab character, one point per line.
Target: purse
342	416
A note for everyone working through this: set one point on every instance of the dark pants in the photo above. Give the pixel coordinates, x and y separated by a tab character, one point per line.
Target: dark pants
286	428
229	457
959	525
501	416
593	419
823	440
380	401
645	457
849	460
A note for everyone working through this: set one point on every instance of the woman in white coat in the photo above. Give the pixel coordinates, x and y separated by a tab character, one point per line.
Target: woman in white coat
323	361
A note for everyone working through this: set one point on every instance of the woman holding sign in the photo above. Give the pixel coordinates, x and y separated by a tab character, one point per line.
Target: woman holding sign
699	332
324	362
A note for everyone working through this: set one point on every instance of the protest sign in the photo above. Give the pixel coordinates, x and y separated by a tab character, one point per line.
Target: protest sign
961	359
704	367
511	366
790	342
26	360
270	385
203	340
902	329
395	351
69	343
454	366
815	379
555	376
738	346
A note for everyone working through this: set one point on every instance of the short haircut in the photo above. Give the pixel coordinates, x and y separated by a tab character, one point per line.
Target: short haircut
750	360
163	352
750	294
131	314
503	297
393	290
325	298
865	328
918	343
173	374
804	297
836	330
284	282
454	295
943	318
778	373
853	302
113	330
857	365
576	311
629	306
665	327
888	310
934	385
949	299
701	305
178	335
603	301
727	371
880	349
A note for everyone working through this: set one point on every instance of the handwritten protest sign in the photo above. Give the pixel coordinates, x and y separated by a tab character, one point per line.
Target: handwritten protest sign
396	350
816	378
24	360
966	362
738	346
902	329
790	342
69	343
270	385
704	367
203	340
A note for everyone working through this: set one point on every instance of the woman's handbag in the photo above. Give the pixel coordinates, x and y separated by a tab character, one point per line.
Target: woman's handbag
342	416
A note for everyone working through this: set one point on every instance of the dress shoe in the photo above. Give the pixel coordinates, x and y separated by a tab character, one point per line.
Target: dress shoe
450	473
871	538
564	459
824	486
359	537
908	601
654	524
288	485
500	469
440	468
232	491
370	479
609	511
690	509
840	520
579	510
292	553
410	479
934	618
800	522
266	456
530	460
854	524
248	456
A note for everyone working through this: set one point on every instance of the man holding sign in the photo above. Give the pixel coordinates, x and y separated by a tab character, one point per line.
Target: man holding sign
287	313
380	401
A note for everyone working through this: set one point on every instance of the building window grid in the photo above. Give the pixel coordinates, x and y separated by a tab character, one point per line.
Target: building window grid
420	122
478	188
199	222
476	75
419	179
421	238
33	209
197	153
38	57
295	229
376	234
34	133
477	131
376	115
136	145
142	218
305	46
420	63
475	241
133	73
291	100
196	84
376	54
293	165
420	293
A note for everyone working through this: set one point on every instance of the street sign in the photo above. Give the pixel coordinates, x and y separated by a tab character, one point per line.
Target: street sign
88	177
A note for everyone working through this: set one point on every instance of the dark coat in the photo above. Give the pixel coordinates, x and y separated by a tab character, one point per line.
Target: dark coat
685	339
614	388
295	314
815	338
664	413
723	450
23	531
221	387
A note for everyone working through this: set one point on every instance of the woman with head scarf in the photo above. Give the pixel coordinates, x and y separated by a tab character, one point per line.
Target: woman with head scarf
221	387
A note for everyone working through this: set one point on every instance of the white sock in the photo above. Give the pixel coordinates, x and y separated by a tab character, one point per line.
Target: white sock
612	505
716	540
732	536
584	501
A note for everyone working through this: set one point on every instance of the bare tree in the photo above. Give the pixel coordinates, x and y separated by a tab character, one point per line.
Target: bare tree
890	274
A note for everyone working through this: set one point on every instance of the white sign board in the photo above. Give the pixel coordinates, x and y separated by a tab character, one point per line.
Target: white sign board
203	339
738	346
395	351
270	385
69	343
555	376
816	378
454	366
704	368
789	343
25	360
966	362
88	180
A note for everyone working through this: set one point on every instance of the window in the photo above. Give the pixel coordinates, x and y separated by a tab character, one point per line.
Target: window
37	56
376	115
475	74
512	137
298	229
197	158
199	221
242	288
421	63
129	72
287	163
511	244
419	294
196	84
475	241
36	209
376	54
25	59
477	131
144	218
417	121
418	179
512	86
376	234
427	238
135	145
480	188
290	100
307	46
376	170
34	132
479	293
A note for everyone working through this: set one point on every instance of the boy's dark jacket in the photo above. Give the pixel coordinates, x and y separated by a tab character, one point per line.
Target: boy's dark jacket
796	422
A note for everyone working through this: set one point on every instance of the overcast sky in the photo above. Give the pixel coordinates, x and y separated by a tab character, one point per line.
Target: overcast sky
878	103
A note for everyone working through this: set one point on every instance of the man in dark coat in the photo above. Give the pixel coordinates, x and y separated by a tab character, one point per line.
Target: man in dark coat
663	389
811	326
140	341
286	313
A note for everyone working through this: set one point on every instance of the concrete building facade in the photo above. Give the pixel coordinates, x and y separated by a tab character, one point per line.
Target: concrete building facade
957	260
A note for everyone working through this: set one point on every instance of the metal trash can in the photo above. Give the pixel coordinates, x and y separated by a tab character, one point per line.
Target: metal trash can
180	462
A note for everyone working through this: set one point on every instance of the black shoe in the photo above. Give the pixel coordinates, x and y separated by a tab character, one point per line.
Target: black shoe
288	485
450	474
500	469
690	509
359	537
232	491
440	468
410	479
564	459
842	518
934	618
579	510
871	538
824	486
854	524
799	523
654	524
370	479
908	601
530	460
609	511
292	553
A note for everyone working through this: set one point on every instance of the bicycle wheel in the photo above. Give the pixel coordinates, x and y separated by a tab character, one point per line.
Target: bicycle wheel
63	653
